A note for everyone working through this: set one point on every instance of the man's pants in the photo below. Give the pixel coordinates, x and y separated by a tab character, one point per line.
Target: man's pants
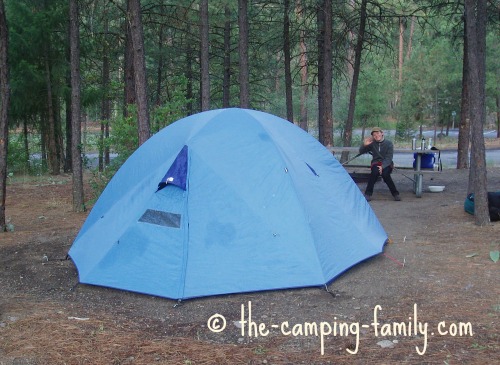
386	176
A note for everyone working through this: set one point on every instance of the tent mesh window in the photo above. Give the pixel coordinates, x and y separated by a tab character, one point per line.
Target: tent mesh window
160	218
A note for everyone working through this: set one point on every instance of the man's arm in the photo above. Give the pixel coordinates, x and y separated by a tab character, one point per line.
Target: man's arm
365	147
389	154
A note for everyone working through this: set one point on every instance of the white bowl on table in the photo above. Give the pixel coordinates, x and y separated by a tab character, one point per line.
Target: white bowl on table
436	188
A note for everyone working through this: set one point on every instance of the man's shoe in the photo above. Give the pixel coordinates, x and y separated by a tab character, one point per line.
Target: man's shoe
368	197
397	198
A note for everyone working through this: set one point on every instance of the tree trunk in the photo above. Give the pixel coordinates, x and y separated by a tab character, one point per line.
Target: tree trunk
189	77
498	108
355	78
475	14
288	72
106	102
4	113
159	71
244	77
464	127
136	31
26	145
226	81
350	46
129	87
410	38
204	50
105	107
325	113
304	94
400	58
78	198
401	49
53	162
67	100
497	99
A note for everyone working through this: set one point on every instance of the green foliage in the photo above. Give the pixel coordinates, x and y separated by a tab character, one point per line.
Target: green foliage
374	94
495	252
99	180
18	159
174	109
124	140
431	87
495	255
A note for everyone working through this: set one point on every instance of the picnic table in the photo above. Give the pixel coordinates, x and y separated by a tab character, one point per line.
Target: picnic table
418	171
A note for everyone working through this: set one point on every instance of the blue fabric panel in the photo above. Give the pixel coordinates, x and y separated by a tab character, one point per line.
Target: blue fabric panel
177	173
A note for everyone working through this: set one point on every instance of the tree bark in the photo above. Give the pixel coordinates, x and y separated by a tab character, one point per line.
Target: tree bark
26	145
189	77
4	112
137	36
355	78
498	108
350	46
78	197
226	81
410	38
106	102
204	50
244	76
287	60
325	112
105	107
464	127
53	162
304	94
159	71
475	14
67	100
401	49
129	87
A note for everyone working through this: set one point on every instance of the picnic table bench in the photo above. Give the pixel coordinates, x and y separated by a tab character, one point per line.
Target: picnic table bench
418	171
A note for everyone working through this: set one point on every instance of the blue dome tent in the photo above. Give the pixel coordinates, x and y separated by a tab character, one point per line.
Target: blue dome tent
226	201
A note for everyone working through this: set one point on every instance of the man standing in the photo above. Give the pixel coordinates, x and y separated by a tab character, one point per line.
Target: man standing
382	151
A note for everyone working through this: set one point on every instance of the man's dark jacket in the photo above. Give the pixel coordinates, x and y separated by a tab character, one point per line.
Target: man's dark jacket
382	151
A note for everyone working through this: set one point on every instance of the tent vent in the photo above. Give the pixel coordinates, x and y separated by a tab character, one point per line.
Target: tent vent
312	170
161	218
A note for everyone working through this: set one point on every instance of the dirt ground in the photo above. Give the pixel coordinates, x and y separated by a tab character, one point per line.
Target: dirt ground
433	292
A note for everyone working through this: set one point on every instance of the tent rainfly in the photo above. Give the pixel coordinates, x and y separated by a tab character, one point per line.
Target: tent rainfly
226	201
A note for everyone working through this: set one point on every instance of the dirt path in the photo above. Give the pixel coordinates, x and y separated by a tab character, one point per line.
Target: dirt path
442	306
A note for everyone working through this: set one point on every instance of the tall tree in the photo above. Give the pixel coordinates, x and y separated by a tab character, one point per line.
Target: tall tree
355	78
287	61
137	35
325	74
129	72
106	100
475	14
303	65
204	56
400	54
464	126
226	73
4	112
53	161
76	153
244	77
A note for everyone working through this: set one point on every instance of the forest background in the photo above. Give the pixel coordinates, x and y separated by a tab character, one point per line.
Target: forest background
104	75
